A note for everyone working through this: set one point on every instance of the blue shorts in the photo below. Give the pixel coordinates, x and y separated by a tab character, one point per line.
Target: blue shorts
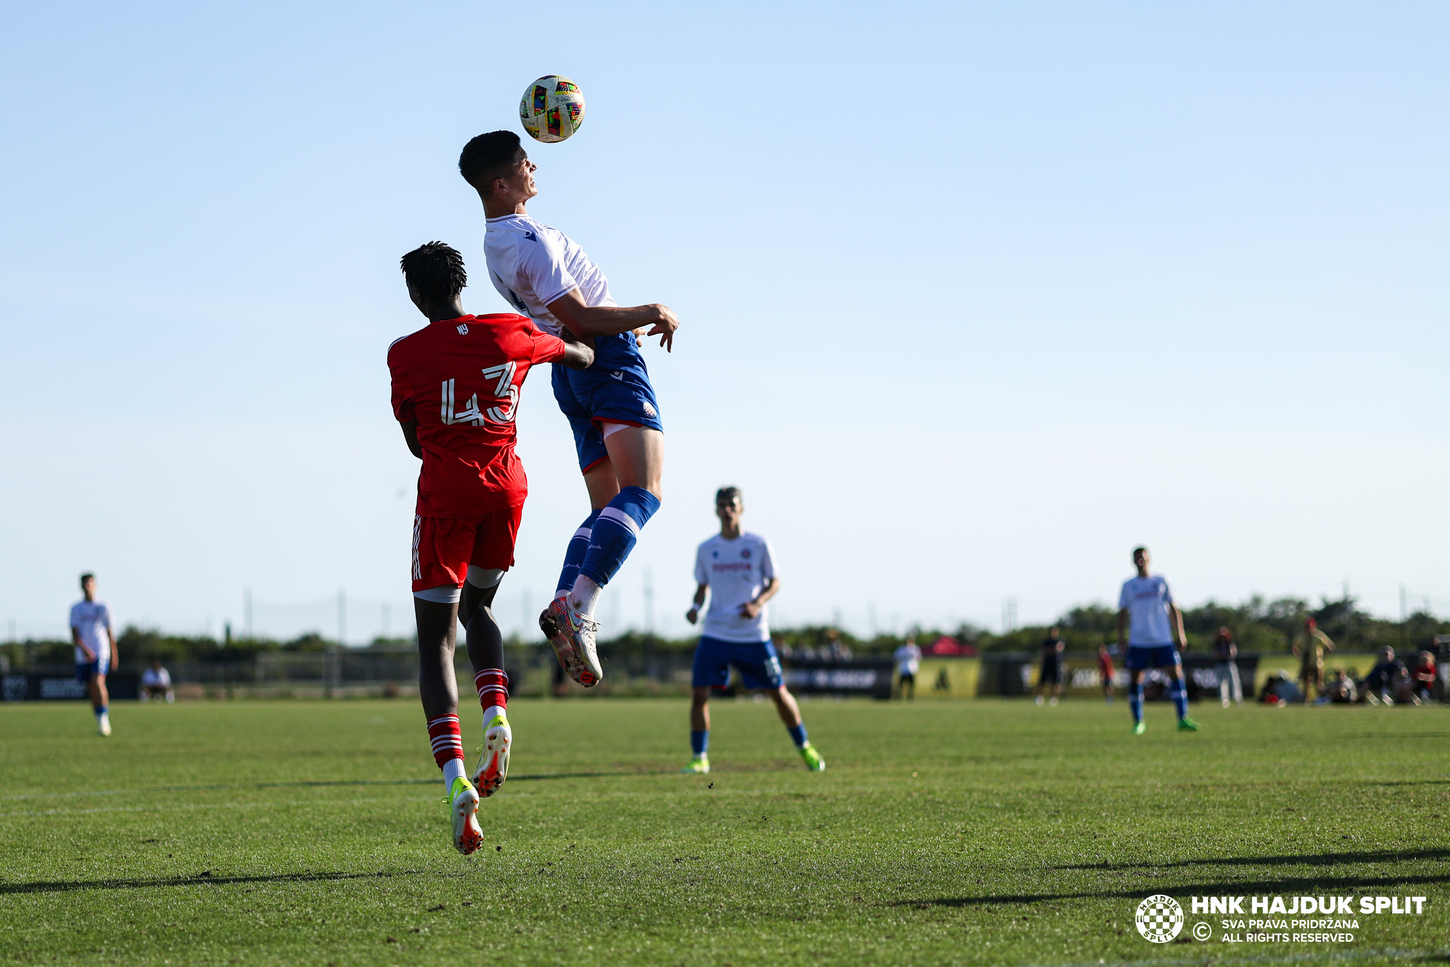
757	661
615	388
85	669
1151	656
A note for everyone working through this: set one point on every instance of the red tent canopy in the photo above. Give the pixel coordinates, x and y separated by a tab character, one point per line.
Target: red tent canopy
947	645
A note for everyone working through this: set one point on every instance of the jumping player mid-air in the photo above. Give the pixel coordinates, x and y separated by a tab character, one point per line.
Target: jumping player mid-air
95	639
737	569
1156	625
456	386
611	406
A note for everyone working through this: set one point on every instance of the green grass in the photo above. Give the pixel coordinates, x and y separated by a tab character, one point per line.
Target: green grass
942	833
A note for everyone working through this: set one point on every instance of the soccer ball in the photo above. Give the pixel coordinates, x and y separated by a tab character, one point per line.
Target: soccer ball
552	108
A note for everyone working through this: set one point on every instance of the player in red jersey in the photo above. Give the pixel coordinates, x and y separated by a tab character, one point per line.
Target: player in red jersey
456	386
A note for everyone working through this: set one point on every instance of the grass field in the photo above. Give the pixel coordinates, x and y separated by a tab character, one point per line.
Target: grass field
942	833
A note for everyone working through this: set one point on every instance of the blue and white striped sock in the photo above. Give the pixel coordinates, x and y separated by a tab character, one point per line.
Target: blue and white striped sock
612	538
574	555
1180	699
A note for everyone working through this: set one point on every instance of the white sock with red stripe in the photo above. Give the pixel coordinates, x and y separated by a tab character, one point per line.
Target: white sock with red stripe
447	741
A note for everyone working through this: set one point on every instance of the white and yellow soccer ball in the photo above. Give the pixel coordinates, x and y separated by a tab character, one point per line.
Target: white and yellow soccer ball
552	109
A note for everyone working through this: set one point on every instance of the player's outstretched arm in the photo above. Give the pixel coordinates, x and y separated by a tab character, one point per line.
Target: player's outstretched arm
577	355
585	321
410	433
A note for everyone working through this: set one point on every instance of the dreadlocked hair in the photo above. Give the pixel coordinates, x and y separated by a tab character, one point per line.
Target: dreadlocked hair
435	270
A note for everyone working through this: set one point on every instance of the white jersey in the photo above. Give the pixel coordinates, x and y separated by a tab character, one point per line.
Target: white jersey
908	659
532	265
1147	600
736	572
156	678
91	619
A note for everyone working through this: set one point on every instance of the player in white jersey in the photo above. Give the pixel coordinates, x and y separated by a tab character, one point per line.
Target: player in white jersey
611	406
737	570
92	631
1146	605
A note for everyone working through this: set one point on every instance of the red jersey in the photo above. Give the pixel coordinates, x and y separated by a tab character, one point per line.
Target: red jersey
460	379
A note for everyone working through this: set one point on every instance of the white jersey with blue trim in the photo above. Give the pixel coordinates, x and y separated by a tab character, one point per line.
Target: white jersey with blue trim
532	265
736	572
1147	600
91	619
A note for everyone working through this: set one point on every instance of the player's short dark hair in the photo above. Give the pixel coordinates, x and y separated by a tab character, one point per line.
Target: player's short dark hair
487	157
435	270
1139	550
88	576
727	494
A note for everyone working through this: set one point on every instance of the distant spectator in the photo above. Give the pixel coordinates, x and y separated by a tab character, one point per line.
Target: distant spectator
1051	670
835	649
1225	651
1340	689
1105	669
1423	676
156	683
1311	658
908	663
1384	677
1280	690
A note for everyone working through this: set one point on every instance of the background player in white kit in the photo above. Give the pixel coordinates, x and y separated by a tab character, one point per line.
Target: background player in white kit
737	569
92	630
1156	624
611	406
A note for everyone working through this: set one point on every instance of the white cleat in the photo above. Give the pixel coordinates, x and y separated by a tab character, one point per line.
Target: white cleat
553	623
463	804
493	768
103	725
581	631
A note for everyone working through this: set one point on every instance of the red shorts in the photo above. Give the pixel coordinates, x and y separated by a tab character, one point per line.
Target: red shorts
443	548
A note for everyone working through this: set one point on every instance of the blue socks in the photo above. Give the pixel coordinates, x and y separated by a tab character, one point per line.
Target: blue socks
798	734
1135	701
574	555
100	710
1180	699
615	531
699	741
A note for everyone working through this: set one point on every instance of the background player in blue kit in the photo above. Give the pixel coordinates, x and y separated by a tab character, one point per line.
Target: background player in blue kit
611	406
1156	625
737	569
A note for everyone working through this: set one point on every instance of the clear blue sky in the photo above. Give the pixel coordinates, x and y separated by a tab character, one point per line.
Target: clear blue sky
975	296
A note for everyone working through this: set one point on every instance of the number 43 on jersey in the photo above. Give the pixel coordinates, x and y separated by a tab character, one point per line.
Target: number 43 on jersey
506	394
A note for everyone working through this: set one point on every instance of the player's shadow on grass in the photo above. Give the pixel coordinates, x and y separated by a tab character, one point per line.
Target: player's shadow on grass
1303	859
1316	885
198	879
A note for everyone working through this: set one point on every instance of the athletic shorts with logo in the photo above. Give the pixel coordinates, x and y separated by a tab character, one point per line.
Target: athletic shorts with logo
615	389
1150	656
757	661
444	547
